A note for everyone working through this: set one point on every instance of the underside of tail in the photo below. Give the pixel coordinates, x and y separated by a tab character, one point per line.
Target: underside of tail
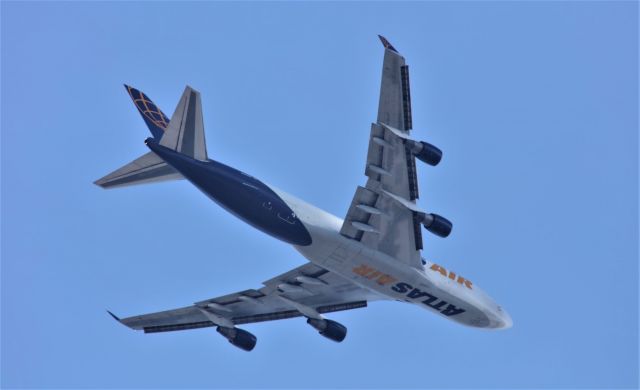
183	133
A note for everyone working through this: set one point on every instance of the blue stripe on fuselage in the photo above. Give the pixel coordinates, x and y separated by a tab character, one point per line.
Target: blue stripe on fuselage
242	195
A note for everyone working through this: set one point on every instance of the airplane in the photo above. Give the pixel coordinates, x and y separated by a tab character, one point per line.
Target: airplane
373	254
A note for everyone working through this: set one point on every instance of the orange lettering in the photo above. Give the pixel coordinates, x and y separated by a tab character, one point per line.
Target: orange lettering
385	279
436	267
464	281
362	270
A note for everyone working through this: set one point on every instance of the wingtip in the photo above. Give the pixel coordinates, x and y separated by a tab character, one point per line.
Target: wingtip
386	43
115	317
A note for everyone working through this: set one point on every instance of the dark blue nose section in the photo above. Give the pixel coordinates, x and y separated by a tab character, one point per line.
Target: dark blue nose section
242	195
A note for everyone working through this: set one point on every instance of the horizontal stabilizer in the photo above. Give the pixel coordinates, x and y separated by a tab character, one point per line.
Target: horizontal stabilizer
146	169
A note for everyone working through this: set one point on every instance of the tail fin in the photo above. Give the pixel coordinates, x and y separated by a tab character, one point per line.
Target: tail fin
155	119
184	133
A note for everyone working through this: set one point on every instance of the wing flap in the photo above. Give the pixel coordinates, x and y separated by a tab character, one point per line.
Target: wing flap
295	313
358	213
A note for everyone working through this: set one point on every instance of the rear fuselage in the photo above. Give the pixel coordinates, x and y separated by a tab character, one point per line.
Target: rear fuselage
315	234
242	195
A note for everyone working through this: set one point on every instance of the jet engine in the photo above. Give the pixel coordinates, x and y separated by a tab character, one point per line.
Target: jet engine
329	329
425	152
440	226
238	337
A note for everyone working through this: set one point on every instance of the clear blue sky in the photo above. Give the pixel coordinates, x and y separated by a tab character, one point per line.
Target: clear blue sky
534	104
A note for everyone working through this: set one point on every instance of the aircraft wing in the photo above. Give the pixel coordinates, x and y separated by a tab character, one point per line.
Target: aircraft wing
289	295
382	214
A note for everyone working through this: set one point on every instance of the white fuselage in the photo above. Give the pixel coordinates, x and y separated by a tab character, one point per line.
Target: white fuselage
432	287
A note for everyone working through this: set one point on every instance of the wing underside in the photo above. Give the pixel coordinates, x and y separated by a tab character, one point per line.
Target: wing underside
375	218
282	297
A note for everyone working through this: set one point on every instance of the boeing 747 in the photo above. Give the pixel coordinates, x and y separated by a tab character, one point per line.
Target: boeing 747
374	253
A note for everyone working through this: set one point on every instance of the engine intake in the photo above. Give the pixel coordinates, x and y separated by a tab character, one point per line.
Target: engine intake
426	152
329	329
440	226
238	337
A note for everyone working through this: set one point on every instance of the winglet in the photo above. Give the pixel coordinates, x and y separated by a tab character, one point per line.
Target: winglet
386	44
115	317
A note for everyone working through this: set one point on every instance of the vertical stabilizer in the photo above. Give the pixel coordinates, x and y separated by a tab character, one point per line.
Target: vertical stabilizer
185	132
155	119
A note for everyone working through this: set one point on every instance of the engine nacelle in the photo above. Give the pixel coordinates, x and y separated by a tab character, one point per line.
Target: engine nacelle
238	337
440	226
329	329
426	152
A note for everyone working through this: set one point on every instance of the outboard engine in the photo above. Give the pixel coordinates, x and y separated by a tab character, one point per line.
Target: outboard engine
238	337
329	329
440	226
426	152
